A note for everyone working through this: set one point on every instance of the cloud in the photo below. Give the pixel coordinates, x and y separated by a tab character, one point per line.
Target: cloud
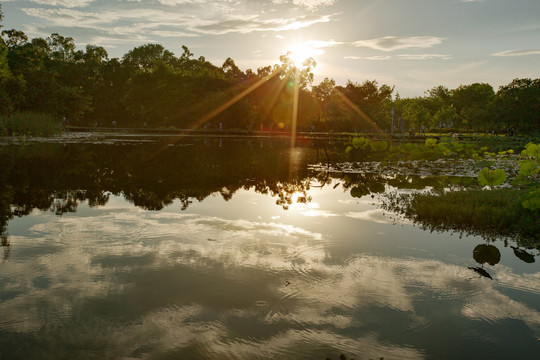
424	56
317	44
376	58
521	52
73	18
65	3
318	213
392	43
180	2
251	23
375	215
402	57
180	24
314	4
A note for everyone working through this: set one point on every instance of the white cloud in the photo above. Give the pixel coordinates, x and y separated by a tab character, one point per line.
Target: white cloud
314	4
521	52
188	23
318	213
317	44
375	215
65	3
74	18
392	43
180	2
251	23
377	57
424	56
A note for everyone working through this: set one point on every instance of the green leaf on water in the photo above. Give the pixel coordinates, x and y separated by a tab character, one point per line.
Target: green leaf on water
484	163
443	150
529	167
360	143
531	150
430	142
488	177
378	145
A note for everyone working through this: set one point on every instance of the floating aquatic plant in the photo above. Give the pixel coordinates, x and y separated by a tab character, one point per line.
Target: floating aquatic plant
491	178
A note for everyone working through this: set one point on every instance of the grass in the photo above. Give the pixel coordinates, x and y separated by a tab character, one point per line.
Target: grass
30	124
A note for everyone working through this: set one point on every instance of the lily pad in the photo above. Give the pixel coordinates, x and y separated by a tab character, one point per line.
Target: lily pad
488	177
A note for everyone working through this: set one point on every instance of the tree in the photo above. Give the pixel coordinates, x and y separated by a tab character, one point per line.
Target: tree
446	116
231	70
5	74
146	57
62	48
367	98
324	90
14	38
109	93
517	106
290	72
473	104
416	114
332	110
264	71
437	98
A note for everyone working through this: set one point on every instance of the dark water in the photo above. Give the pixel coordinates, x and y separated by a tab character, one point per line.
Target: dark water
240	250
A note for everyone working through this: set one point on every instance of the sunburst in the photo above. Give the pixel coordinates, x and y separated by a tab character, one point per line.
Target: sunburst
300	52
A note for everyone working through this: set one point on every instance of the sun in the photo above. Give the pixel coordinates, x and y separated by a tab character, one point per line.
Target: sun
299	52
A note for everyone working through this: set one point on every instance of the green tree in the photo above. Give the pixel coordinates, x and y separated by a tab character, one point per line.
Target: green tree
62	48
367	98
517	106
446	116
232	71
146	57
473	105
416	114
5	75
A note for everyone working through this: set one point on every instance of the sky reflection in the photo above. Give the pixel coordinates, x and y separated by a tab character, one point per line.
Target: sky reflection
143	284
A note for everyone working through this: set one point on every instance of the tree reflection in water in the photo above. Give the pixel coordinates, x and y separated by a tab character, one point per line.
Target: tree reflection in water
57	177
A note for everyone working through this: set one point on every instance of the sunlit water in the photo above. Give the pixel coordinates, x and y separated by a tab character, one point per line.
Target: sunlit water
245	278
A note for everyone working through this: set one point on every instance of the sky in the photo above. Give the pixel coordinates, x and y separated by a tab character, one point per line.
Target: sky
413	45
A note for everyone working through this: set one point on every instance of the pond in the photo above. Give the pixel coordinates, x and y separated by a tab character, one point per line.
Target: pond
243	249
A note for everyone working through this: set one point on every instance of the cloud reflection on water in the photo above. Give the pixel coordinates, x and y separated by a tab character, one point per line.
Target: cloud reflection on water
154	282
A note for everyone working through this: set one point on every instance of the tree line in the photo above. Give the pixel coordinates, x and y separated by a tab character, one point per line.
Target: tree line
150	86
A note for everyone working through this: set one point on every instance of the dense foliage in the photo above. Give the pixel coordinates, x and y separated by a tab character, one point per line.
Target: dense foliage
150	86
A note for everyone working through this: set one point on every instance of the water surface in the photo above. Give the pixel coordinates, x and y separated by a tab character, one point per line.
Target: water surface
239	249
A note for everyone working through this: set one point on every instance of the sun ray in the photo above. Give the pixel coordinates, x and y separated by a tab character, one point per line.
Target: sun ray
294	119
362	114
205	118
